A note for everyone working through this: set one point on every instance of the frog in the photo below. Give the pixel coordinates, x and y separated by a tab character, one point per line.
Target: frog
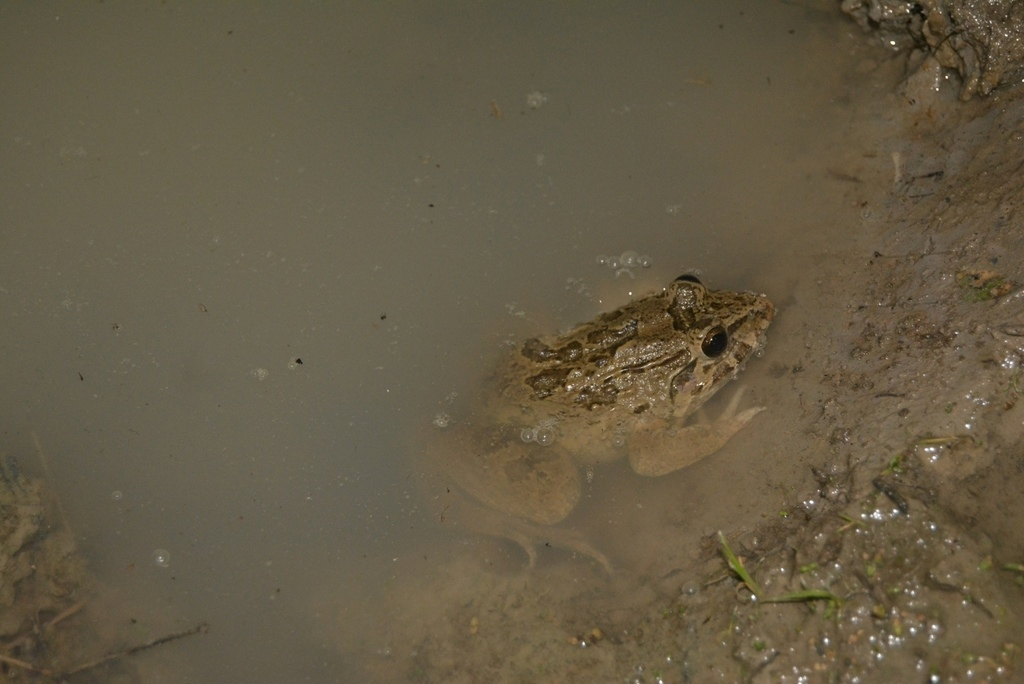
627	384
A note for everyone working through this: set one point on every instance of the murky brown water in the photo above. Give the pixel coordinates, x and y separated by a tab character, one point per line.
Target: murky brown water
248	251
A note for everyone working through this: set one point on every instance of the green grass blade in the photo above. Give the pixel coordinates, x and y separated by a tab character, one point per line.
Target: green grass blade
736	565
805	595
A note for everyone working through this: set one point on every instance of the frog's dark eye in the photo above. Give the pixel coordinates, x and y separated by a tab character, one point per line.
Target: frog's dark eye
715	342
688	278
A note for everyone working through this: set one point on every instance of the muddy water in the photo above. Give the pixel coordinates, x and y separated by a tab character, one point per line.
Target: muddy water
248	252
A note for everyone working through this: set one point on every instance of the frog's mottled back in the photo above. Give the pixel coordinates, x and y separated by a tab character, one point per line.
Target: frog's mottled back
675	347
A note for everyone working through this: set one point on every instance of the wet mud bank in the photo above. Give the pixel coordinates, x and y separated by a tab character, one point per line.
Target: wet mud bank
905	564
901	560
981	41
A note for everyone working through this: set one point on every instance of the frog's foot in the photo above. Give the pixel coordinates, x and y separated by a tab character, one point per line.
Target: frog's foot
657	448
528	535
734	403
483	520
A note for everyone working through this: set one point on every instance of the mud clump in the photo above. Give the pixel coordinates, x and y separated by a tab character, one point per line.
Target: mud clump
46	633
40	576
891	583
982	41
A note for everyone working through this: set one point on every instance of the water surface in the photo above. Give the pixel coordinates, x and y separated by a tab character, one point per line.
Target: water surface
249	251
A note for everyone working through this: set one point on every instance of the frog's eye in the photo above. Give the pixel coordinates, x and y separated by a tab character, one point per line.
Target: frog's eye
688	278
715	342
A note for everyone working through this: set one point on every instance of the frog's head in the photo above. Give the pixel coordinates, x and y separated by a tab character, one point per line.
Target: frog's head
665	353
720	331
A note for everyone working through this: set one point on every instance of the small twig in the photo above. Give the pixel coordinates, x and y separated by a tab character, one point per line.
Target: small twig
23	665
64	615
49	477
201	628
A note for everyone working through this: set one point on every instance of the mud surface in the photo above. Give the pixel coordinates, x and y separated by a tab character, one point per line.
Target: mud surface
56	621
982	41
41	582
901	561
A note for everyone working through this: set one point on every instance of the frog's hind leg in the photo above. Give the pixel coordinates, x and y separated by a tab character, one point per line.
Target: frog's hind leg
482	520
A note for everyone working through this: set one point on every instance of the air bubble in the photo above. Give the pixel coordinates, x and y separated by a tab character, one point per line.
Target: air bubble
116	495
545	436
527	435
162	558
536	99
625	263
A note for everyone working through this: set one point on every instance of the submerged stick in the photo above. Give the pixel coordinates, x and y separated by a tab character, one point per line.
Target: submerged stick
64	615
201	628
23	665
49	477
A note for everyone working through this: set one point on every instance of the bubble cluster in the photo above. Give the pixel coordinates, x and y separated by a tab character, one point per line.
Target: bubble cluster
536	99
162	558
543	435
625	263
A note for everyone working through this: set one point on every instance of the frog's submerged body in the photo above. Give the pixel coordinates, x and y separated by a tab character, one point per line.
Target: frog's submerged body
620	386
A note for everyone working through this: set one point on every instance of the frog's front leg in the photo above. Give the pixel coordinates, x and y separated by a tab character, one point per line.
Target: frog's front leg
657	448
